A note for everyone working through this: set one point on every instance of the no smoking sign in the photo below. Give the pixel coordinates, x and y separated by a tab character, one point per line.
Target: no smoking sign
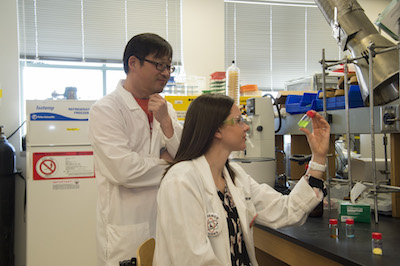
63	165
45	167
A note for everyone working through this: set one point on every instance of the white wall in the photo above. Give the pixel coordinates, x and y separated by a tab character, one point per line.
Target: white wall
373	8
10	109
203	37
366	147
9	69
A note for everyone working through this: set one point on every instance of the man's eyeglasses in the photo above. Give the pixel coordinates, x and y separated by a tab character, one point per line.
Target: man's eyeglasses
161	67
235	121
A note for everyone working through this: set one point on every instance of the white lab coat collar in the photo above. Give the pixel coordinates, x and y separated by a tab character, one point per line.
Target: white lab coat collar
237	193
202	166
133	105
127	96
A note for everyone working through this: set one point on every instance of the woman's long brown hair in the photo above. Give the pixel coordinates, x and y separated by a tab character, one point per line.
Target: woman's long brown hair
204	116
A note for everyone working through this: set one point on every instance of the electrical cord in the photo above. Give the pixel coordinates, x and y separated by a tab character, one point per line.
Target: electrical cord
278	109
12	134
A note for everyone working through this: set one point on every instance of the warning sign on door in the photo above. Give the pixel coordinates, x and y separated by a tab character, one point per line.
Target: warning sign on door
63	165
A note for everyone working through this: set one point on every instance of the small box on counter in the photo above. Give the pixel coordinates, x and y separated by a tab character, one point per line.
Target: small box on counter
359	212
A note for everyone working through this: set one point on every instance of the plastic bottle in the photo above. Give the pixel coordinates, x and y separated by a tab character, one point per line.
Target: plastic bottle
232	82
349	228
377	243
333	228
306	119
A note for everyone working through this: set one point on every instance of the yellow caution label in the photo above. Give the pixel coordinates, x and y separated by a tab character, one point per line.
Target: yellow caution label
1	93
72	129
180	104
243	99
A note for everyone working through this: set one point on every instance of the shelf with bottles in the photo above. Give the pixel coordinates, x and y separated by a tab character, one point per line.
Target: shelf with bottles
189	85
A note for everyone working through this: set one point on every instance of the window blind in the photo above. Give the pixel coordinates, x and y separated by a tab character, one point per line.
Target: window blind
94	30
273	42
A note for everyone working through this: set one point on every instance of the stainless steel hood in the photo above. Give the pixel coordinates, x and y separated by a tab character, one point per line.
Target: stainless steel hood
354	31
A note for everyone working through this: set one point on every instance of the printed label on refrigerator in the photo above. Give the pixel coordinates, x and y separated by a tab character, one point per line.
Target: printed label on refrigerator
63	165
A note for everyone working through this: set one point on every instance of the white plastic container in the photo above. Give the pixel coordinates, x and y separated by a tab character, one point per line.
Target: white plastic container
250	90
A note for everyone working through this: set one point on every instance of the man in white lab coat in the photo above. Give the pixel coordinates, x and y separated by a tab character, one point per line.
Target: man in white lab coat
134	132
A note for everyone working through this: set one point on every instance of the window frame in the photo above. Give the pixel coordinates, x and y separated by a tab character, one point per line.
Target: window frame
247	55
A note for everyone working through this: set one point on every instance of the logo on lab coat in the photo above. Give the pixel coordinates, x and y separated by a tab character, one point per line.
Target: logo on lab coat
213	224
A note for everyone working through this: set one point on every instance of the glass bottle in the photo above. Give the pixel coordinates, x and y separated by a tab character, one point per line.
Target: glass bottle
333	228
232	82
306	119
349	228
377	243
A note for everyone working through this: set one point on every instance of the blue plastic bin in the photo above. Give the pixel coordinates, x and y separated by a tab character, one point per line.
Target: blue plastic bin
297	104
355	100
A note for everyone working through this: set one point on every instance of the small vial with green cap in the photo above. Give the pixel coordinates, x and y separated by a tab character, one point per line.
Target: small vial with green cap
306	119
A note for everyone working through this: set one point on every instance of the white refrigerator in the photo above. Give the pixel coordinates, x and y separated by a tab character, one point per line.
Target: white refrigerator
61	186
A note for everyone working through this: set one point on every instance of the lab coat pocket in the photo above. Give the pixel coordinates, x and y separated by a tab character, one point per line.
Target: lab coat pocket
123	240
251	217
251	212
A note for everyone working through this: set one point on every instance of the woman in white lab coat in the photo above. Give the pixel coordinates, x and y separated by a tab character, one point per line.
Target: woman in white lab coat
207	206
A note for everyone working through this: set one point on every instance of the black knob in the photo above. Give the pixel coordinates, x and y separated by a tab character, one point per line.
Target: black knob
388	118
259	128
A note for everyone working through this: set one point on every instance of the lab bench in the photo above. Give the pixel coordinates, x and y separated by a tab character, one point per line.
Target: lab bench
359	123
311	244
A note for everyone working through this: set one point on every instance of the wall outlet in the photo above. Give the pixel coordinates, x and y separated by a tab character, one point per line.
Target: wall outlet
390	119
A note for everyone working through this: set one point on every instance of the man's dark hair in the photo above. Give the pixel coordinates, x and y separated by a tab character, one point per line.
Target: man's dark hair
145	44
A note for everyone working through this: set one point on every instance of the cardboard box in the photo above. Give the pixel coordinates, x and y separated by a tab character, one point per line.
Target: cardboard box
361	169
359	212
